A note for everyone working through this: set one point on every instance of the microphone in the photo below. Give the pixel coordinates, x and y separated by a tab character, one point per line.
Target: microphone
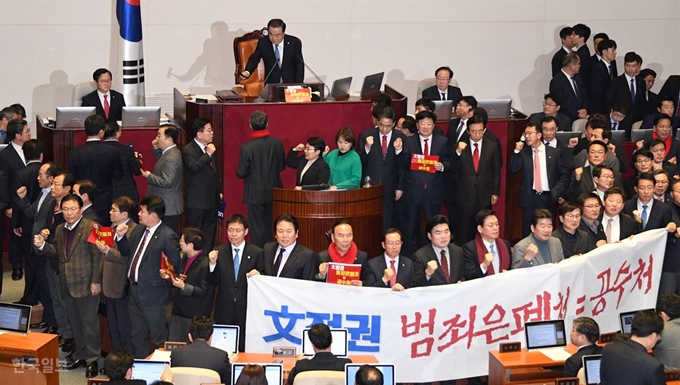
328	95
264	94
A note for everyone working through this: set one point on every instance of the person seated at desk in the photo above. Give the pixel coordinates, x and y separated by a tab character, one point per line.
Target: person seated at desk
344	163
391	269
321	339
539	247
487	254
342	250
368	375
107	103
659	162
118	367
443	90
312	170
668	349
665	105
584	334
252	374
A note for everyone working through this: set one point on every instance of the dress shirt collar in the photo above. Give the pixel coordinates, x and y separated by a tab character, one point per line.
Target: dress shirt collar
200	145
168	149
69	227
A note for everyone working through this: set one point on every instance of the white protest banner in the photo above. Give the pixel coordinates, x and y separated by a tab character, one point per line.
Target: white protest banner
446	332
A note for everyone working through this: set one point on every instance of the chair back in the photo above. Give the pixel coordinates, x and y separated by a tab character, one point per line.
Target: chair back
579	125
320	377
81	90
191	376
636	125
244	46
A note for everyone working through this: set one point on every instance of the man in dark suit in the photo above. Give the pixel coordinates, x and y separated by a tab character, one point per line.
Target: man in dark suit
199	353
443	90
552	103
670	275
118	368
663	127
566	36
148	294
321	339
87	191
286	258
342	249
584	334
651	213
574	241
628	362
582	179
203	182
617	225
579	39
629	87
390	270
649	77
664	105
570	86
440	262
165	180
545	178
666	351
107	102
281	53
424	189
129	164
261	161
377	150
458	125
230	267
597	38
97	162
313	172
80	272
671	88
601	74
591	221
661	186
487	254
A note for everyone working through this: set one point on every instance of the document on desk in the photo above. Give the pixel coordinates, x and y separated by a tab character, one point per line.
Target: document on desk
161	355
555	354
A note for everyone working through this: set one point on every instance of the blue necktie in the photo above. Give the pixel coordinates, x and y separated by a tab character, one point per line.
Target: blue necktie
2	136
237	264
460	128
644	217
573	80
632	90
611	72
278	61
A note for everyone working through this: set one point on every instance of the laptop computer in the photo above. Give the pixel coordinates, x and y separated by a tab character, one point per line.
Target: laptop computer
618	136
387	371
564	136
496	108
15	318
443	109
148	370
141	116
644	135
273	372
341	87
225	337
545	334
591	368
626	320
73	117
372	83
338	347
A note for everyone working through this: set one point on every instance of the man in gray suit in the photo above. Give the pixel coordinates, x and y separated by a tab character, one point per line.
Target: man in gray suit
668	349
166	179
539	248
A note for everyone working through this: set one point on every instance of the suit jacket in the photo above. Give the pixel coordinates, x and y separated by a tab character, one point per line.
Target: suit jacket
197	297
586	64
558	173
375	268
82	265
520	250
317	175
381	169
595	237
667	350
26	176
416	180
166	180
153	290
116	104
599	81
261	161
594	59
10	164
619	89
302	263
628	363
320	361
425	254
201	355
627	226
99	163
563	121
452	93
556	61
129	166
203	184
476	187
292	68
571	103
360	259
39	218
574	363
232	295
471	260
657	218
115	267
587	184
583	243
671	88
671	262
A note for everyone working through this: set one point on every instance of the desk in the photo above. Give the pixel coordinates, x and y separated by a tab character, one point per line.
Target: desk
289	362
524	367
45	349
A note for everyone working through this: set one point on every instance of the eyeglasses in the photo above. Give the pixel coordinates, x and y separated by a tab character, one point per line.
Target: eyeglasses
643	160
442	79
235	231
527	133
595	206
70	209
310	149
393	243
549	104
661	182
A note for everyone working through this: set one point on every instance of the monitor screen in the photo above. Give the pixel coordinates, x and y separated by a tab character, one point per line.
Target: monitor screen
372	83
387	371
341	87
273	372
496	108
591	367
637	135
73	117
338	347
141	116
149	371
225	337
443	109
545	334
626	319
15	317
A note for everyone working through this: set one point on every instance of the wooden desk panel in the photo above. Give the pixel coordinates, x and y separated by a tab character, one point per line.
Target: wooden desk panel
43	347
524	367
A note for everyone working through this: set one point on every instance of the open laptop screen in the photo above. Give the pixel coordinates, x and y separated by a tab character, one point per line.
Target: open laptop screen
626	319
338	347
225	337
545	334
591	367
148	371
15	317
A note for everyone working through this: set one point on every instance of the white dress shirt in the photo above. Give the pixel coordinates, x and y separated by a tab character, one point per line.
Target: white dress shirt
616	226
285	256
152	230
544	169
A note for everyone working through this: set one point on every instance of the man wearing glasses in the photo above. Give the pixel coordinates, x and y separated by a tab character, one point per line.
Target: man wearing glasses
574	240
107	102
650	213
443	90
552	103
591	221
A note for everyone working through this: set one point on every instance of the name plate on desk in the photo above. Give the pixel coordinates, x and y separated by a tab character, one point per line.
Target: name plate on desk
673	375
606	338
283	351
508	347
172	345
567	381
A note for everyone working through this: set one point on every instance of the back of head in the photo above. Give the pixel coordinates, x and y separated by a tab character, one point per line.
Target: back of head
258	120
646	322
201	328
382	99
588	327
111	128
252	375
368	375
154	204
669	304
117	363
93	125
320	336
33	149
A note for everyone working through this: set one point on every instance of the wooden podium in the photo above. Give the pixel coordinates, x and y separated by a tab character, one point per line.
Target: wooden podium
42	366
317	211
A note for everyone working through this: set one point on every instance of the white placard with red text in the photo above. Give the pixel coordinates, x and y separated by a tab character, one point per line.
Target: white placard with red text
446	332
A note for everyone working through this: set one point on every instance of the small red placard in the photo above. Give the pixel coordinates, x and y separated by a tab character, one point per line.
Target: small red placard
101	234
420	162
298	94
343	273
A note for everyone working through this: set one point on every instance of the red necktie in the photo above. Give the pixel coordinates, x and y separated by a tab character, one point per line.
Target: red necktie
138	255
393	280
106	106
384	145
56	211
475	157
426	151
537	172
445	266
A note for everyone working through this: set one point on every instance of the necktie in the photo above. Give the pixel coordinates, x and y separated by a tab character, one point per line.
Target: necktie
278	60
237	264
608	230
2	136
537	172
614	125
106	106
393	280
56	211
426	148
475	157
383	145
644	217
443	96
573	81
277	263
660	199
445	266
632	90
459	129
611	72
138	255
490	270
